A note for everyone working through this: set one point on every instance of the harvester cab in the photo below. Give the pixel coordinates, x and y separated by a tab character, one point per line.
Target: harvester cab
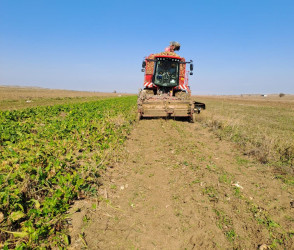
166	91
166	73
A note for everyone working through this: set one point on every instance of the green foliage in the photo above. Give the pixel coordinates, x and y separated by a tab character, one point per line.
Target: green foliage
241	161
211	192
260	215
231	235
237	191
225	223
50	156
286	179
225	178
196	181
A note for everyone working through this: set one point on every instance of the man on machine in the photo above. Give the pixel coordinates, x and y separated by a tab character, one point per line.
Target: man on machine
173	46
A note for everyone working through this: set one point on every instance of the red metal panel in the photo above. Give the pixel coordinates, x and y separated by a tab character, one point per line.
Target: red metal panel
149	70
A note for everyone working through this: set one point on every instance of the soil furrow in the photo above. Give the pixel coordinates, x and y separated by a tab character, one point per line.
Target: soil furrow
180	187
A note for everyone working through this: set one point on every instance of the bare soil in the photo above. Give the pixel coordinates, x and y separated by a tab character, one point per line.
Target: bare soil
177	186
272	100
15	93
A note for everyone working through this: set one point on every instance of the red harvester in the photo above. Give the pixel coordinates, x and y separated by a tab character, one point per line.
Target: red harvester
166	91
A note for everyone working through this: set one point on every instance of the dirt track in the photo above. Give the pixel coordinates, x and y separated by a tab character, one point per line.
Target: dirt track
179	187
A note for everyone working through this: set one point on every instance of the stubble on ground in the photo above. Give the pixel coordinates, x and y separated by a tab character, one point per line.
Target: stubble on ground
177	186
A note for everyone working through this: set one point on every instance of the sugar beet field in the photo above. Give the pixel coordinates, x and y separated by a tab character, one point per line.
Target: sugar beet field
84	173
50	156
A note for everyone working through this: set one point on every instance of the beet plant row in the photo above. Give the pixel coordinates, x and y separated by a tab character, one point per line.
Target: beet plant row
50	156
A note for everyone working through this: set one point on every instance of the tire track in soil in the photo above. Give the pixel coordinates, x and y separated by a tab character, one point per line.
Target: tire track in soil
174	189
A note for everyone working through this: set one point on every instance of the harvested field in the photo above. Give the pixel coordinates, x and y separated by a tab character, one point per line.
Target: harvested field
273	100
26	97
181	187
262	127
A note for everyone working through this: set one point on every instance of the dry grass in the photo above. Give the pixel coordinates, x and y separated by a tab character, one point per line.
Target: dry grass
25	97
272	100
262	126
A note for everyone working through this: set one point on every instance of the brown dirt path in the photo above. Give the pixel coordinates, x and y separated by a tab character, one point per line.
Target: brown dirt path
179	187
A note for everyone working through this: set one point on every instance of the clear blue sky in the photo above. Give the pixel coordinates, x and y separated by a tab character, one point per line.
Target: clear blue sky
238	46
